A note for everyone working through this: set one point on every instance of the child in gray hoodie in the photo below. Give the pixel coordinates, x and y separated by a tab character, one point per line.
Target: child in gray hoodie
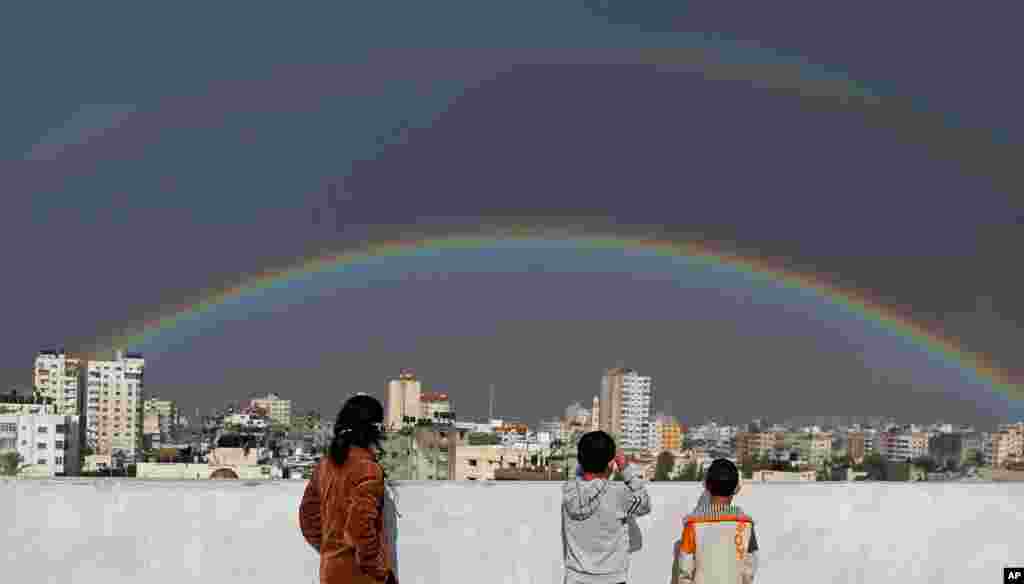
595	512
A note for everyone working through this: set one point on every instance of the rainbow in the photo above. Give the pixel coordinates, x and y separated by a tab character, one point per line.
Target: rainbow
976	366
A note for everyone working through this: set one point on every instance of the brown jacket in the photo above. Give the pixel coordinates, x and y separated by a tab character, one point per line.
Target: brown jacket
341	517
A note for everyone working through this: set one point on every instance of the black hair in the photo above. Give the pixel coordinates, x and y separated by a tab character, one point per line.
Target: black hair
359	423
595	450
722	478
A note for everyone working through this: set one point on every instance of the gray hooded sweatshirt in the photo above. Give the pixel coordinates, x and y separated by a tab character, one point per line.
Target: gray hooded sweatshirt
595	535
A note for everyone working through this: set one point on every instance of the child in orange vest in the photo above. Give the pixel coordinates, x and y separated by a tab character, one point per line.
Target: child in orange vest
719	545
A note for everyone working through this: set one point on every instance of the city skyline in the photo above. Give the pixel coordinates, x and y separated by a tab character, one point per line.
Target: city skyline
127	200
410	400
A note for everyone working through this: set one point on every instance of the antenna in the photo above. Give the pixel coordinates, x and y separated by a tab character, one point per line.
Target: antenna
491	411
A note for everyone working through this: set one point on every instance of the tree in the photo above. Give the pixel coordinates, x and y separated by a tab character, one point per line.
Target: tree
11	463
666	462
689	473
927	463
747	467
824	472
876	466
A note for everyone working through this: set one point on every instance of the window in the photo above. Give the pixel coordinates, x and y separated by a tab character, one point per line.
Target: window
59	445
59	461
472	462
41	461
41	445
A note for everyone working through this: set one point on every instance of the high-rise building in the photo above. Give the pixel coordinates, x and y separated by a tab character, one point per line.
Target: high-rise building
278	410
595	415
48	444
403	399
626	407
60	377
112	411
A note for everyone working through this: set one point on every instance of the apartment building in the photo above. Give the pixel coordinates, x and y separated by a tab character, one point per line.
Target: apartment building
166	412
433	404
761	444
60	378
277	409
478	463
856	446
626	407
112	414
48	443
1008	445
403	399
903	446
667	434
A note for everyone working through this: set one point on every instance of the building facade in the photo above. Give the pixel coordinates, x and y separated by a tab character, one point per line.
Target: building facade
60	377
434	404
112	412
903	446
856	446
166	412
668	434
48	443
1008	445
403	399
277	409
626	407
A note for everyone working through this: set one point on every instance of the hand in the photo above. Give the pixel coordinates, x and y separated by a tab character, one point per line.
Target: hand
620	460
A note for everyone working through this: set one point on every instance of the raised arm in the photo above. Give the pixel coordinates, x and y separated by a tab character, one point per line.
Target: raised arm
635	501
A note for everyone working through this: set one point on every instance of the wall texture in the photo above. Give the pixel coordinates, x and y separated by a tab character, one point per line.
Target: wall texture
155	532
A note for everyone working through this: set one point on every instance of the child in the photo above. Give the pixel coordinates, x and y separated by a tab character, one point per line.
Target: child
595	512
719	545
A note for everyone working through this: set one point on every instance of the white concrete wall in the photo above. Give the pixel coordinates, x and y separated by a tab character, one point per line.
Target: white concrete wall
110	530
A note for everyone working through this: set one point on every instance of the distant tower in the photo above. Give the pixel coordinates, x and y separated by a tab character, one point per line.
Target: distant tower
595	415
403	399
490	412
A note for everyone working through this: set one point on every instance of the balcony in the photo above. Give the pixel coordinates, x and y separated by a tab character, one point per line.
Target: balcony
111	530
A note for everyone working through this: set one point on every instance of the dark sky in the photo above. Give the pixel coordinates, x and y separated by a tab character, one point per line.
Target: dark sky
146	157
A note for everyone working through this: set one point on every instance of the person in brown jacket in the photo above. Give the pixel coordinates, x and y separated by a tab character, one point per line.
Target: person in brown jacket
341	510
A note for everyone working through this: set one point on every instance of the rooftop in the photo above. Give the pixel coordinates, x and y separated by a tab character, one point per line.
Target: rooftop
110	530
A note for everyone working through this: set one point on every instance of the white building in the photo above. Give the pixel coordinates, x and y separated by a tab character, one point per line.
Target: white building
636	411
902	446
60	377
403	399
113	410
47	443
246	421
